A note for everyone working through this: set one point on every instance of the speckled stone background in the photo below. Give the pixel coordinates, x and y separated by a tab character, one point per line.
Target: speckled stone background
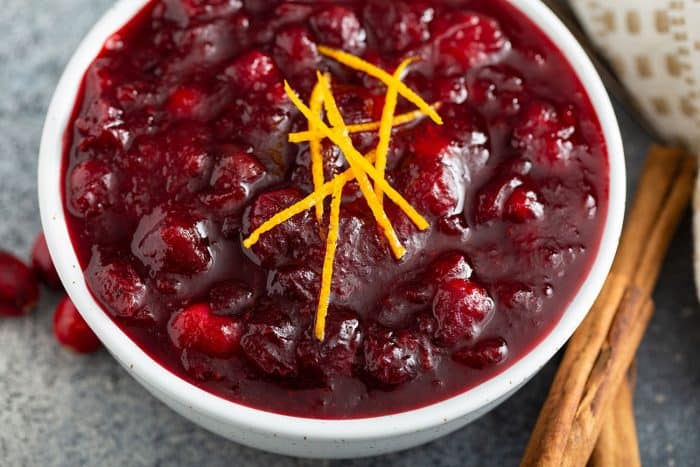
59	409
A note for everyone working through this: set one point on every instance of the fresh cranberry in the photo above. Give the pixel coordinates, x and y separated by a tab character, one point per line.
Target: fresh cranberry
173	242
270	342
399	25
466	40
543	135
233	180
72	331
120	289
253	72
400	306
298	282
281	244
296	54
339	27
43	264
199	329
392	357
19	290
337	354
92	188
462	308
230	298
452	265
484	354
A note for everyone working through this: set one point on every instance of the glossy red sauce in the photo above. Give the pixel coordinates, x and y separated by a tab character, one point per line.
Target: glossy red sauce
178	149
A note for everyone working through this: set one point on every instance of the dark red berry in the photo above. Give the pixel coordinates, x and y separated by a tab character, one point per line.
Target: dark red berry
270	342
72	331
393	357
43	264
462	309
399	25
197	328
452	265
339	27
253	72
92	188
230	298
19	290
484	354
120	289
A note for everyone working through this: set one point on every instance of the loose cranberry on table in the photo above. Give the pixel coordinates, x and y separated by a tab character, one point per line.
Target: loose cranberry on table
43	264
179	150
72	331
19	290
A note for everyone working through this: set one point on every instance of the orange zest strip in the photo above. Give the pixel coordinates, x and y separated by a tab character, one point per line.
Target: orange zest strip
361	65
399	120
385	127
327	274
341	141
315	147
336	119
310	201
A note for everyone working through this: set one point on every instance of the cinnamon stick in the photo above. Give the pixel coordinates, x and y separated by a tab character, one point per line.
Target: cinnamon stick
603	348
617	445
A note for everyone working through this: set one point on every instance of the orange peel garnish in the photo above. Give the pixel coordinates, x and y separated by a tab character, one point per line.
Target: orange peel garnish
327	273
315	147
359	64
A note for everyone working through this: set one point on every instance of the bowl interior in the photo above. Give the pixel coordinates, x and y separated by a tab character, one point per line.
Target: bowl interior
208	405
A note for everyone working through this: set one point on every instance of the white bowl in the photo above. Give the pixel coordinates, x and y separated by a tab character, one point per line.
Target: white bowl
303	436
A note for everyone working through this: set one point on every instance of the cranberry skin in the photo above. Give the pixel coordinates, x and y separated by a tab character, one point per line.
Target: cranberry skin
392	357
19	290
197	328
253	72
43	264
399	25
230	298
279	246
296	53
543	134
92	188
299	282
523	205
462	309
188	158
519	298
270	342
71	330
120	289
452	265
233	179
485	354
339	27
466	40
508	198
172	242
337	354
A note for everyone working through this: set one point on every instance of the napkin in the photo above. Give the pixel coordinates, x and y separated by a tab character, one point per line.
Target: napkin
654	47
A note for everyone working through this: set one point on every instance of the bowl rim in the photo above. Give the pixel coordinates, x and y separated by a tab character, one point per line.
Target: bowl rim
228	413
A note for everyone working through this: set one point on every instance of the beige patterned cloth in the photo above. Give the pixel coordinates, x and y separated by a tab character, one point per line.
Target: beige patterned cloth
654	46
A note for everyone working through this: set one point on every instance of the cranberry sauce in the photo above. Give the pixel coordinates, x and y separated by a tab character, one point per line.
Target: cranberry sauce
179	149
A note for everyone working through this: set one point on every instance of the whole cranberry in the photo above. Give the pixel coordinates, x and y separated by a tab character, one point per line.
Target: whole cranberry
339	27
337	354
120	288
296	53
71	330
230	298
43	265
19	290
270	341
233	180
484	354
451	265
523	205
462	308
171	241
392	357
92	188
185	102
253	72
197	328
466	40
543	133
399	25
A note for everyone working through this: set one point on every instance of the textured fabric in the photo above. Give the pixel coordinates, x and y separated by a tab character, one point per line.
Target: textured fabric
654	46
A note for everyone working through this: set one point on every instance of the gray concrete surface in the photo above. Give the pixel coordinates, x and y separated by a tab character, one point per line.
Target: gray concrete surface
57	409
